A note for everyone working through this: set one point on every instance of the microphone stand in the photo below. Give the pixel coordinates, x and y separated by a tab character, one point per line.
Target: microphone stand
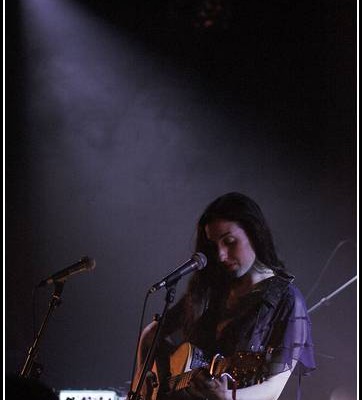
170	296
27	370
325	300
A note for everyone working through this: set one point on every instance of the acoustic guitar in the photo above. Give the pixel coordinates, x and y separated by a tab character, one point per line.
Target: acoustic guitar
243	368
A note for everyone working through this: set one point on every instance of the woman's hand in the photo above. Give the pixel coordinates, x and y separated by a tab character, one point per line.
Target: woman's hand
205	386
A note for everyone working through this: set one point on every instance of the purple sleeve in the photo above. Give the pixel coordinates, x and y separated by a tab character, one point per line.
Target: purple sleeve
292	340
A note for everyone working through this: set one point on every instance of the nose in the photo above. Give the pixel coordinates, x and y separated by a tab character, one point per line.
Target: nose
222	254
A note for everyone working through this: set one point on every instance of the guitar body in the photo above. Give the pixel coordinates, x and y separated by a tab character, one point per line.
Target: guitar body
244	369
181	359
187	358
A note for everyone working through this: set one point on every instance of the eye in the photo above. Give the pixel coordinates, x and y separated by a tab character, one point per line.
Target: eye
229	240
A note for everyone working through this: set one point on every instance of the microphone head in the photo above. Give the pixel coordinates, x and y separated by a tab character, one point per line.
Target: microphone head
201	260
89	263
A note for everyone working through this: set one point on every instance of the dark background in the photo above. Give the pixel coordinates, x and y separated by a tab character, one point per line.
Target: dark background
125	119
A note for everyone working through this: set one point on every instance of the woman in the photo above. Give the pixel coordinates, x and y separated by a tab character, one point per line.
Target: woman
243	305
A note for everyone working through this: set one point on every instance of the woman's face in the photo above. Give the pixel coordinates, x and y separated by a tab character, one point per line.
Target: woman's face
232	246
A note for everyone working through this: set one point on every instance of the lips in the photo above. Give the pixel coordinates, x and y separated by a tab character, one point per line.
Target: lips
229	265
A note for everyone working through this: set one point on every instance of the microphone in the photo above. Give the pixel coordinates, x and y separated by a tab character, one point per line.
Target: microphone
197	262
84	264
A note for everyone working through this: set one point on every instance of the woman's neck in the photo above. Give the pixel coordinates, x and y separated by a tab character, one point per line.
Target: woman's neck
257	273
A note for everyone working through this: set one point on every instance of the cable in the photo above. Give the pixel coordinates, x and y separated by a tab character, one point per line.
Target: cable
139	338
326	265
33	292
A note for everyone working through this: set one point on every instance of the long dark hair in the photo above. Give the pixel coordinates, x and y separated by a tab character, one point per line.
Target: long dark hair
210	282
